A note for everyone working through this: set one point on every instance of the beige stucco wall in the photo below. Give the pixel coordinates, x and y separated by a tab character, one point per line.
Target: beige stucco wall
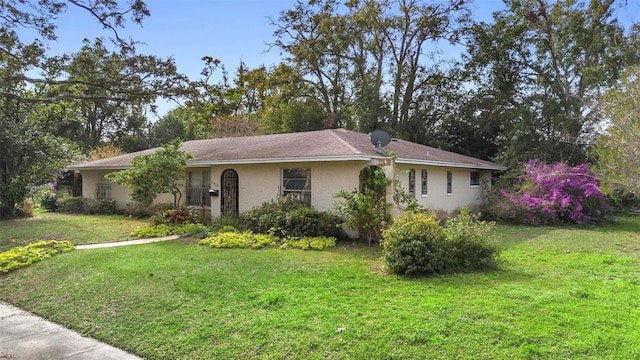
119	193
259	183
90	179
437	199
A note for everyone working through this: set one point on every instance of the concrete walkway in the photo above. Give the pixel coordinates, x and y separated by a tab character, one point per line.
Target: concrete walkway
25	336
126	243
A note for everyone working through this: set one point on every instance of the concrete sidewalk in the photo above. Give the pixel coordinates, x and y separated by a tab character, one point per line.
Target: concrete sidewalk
25	336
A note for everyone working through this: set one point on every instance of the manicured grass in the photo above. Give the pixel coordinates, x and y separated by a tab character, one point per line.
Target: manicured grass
79	229
559	293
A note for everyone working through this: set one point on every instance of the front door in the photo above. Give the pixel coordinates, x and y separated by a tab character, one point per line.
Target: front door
229	196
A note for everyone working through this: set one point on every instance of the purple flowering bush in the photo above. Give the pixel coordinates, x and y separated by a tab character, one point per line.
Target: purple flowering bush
552	194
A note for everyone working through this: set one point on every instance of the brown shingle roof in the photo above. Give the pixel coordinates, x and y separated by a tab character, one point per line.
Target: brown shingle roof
323	145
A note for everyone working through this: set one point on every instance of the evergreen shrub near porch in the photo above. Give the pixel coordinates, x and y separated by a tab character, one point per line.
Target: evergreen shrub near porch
416	243
290	218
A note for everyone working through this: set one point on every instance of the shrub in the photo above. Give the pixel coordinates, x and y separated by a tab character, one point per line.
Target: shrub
73	205
26	255
138	210
25	209
79	205
225	221
469	241
310	243
102	207
552	194
292	218
416	243
181	215
168	229
49	200
234	239
248	239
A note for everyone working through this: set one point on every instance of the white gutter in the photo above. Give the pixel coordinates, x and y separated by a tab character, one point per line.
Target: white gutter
242	161
308	159
450	164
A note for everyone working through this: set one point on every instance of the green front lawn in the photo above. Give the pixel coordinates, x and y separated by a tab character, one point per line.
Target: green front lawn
79	229
559	293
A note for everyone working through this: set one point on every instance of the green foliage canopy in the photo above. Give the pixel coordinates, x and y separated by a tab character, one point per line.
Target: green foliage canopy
618	149
153	174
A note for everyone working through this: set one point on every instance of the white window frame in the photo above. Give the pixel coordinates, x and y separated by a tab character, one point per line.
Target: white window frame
201	190
103	189
290	184
412	183
449	183
474	184
424	184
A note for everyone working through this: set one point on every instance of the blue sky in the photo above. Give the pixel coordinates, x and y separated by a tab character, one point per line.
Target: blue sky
229	30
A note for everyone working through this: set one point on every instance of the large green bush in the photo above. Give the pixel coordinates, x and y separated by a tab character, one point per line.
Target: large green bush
80	205
49	200
292	218
73	205
416	243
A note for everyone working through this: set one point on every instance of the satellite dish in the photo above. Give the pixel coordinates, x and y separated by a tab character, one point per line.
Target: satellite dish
379	139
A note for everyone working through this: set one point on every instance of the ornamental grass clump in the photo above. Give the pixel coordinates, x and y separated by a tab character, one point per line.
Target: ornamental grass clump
555	193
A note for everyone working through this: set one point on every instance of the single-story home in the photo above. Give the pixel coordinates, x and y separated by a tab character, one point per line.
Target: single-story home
232	175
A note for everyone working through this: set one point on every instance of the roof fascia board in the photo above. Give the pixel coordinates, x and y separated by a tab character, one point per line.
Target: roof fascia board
281	160
449	164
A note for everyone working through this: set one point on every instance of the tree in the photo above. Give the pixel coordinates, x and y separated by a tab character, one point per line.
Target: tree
42	95
540	68
104	151
366	210
153	174
30	154
618	149
26	56
367	61
179	123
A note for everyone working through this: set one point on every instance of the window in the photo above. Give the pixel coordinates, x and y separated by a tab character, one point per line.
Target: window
475	178
425	189
449	183
103	189
296	183
198	188
412	182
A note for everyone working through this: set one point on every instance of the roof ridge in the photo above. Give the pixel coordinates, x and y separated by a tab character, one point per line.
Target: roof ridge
343	141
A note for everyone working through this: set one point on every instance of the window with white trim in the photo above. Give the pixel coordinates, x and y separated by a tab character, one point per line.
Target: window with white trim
296	183
103	189
449	183
198	188
412	182
425	184
475	178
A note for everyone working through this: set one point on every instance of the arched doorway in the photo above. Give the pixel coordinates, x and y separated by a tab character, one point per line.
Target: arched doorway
229	196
